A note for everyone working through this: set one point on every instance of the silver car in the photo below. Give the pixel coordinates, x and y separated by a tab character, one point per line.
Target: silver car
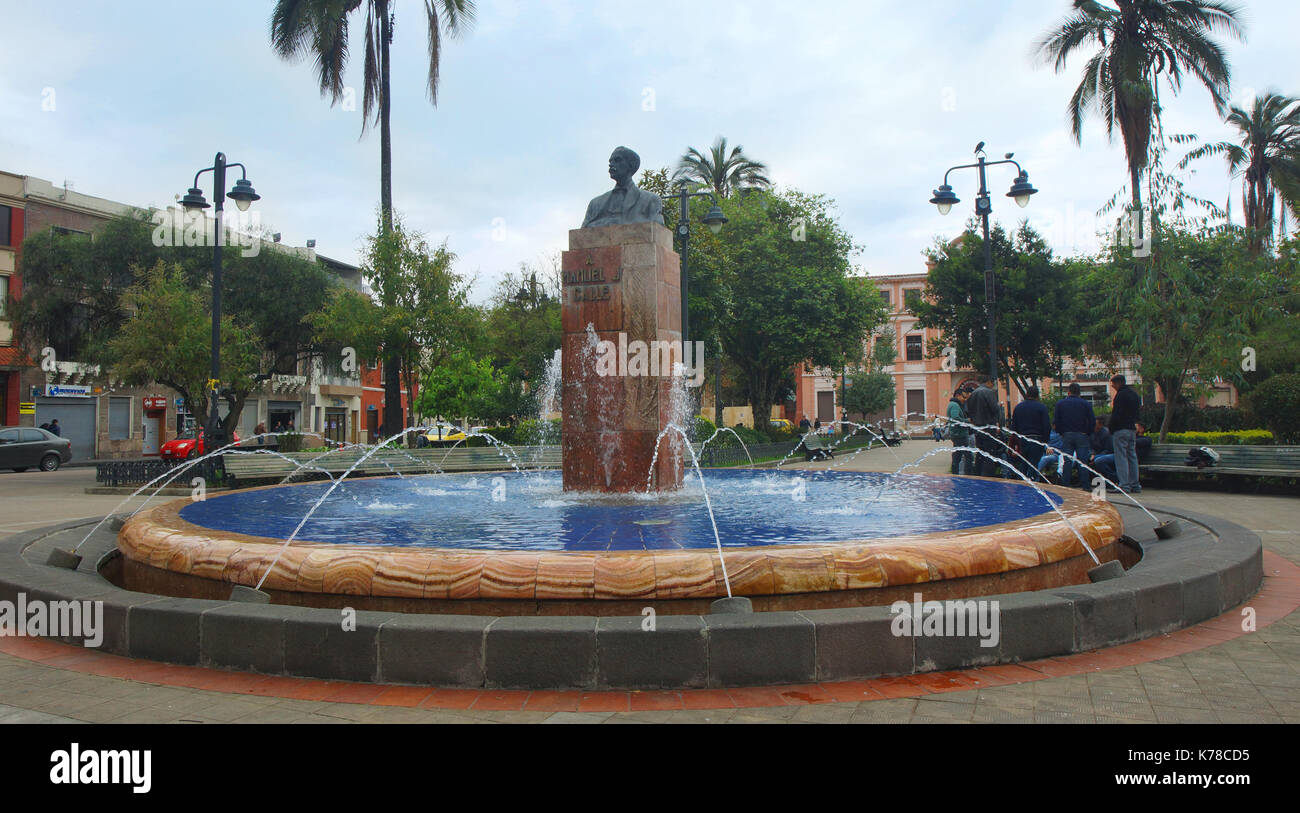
22	447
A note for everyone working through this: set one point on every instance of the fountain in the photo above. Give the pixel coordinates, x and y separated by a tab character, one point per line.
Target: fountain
621	527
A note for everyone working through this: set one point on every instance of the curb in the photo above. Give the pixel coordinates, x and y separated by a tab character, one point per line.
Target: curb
1178	583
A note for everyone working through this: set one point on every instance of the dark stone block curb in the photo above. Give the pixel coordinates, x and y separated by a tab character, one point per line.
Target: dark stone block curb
1178	583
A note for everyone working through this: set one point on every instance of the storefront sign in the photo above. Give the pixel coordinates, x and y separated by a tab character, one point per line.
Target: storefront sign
67	391
27	408
155	402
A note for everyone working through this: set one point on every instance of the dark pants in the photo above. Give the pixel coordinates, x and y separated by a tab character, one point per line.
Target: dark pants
984	467
1077	444
1032	451
961	460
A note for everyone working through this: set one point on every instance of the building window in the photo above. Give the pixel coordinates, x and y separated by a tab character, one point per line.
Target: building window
915	352
884	294
916	403
4	296
6	219
119	418
912	298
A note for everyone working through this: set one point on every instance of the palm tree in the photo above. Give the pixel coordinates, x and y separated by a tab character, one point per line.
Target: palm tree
319	29
722	172
1267	158
1136	42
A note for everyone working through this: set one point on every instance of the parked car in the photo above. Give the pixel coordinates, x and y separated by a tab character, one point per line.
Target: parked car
440	434
781	423
22	447
186	445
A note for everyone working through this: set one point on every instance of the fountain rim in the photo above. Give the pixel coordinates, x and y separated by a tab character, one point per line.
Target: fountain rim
161	538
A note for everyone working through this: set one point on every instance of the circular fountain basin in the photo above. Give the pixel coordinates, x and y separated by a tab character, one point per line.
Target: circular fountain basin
787	539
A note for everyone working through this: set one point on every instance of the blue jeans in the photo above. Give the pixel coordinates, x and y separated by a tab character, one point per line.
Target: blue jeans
1079	445
1124	442
1105	465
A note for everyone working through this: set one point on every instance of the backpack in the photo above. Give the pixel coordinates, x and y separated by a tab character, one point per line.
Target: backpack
1201	457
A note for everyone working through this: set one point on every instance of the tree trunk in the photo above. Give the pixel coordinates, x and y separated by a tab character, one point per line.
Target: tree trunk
1172	388
394	416
1135	181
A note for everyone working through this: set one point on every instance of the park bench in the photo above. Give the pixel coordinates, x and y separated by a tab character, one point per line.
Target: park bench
816	447
1234	461
245	468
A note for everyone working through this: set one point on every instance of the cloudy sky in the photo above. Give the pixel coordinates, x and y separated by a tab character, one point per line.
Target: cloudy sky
865	101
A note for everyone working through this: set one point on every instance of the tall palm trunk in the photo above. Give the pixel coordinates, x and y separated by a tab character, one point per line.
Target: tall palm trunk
394	414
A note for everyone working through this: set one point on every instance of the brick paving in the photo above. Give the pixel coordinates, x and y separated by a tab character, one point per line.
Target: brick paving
1210	673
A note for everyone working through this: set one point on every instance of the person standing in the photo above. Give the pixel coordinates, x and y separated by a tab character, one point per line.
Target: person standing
961	458
985	413
1031	419
54	428
1124	413
1074	420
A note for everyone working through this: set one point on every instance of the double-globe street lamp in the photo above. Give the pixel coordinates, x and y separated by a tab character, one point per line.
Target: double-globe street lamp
243	195
944	198
714	220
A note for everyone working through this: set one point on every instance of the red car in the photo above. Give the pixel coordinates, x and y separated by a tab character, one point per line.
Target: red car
186	445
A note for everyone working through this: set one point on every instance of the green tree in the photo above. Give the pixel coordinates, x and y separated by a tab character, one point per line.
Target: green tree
1039	318
462	387
168	339
521	329
1186	315
75	282
1134	43
720	171
869	388
782	290
417	316
319	29
1267	159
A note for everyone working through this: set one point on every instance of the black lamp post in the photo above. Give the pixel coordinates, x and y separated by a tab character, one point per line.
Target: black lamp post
243	195
714	220
1020	192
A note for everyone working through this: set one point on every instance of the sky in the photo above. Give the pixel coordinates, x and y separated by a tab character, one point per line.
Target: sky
867	102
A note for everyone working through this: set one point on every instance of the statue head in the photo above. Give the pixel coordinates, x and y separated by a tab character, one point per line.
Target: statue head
623	164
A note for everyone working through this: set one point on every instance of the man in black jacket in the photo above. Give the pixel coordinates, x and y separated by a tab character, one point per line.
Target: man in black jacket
1124	413
1031	419
985	412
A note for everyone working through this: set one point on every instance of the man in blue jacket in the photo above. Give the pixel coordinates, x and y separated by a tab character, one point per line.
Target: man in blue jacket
1074	420
1124	413
1030	419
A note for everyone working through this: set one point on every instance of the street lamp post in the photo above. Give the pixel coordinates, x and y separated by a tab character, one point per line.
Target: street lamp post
944	198
714	220
243	195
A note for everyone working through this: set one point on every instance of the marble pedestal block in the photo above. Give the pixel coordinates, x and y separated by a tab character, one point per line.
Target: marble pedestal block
621	287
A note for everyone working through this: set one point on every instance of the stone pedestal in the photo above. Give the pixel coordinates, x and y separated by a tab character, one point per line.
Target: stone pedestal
622	333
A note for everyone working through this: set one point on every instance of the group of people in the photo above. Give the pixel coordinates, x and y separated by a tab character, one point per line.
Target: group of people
1049	444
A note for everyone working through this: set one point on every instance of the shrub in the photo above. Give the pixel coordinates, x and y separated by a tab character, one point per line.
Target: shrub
704	429
289	442
1274	403
1191	418
1241	437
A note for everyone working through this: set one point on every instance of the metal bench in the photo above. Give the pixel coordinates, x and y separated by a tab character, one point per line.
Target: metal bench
816	447
1234	461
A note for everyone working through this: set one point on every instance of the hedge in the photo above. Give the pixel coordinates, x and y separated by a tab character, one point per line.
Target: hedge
1245	437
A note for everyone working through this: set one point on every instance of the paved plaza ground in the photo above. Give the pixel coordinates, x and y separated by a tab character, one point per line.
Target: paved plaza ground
1210	673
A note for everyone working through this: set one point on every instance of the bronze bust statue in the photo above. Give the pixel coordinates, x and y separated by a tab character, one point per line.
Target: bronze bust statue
625	203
